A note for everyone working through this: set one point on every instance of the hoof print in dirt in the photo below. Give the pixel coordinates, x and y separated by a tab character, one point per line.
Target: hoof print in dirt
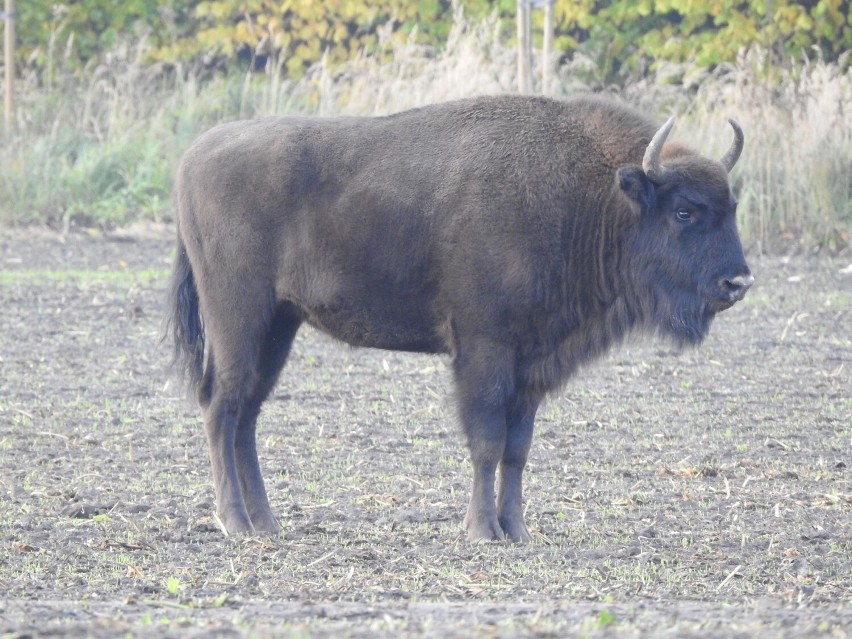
84	511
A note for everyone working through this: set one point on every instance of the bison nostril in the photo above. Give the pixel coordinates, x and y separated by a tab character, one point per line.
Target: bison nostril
737	286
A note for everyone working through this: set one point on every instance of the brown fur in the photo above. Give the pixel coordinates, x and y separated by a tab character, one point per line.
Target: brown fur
517	234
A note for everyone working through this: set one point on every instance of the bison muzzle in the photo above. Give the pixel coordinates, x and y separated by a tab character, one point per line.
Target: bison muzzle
522	236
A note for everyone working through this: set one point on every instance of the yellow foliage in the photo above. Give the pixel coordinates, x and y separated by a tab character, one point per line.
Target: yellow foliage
622	36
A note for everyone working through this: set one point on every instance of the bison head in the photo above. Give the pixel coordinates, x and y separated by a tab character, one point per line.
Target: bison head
684	248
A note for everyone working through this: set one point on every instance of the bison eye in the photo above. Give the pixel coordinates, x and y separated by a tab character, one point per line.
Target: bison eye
683	215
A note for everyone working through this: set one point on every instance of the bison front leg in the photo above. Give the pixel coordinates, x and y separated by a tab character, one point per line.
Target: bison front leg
519	423
486	435
483	385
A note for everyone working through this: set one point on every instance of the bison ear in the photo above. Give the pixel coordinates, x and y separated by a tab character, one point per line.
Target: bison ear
637	187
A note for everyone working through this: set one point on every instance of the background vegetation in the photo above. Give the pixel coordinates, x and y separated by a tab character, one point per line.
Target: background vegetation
624	36
110	93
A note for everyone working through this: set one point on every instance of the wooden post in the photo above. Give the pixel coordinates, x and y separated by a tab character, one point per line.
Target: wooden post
9	61
547	53
524	58
525	8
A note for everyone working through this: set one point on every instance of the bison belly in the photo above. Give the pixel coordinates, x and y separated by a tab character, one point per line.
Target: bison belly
366	299
394	323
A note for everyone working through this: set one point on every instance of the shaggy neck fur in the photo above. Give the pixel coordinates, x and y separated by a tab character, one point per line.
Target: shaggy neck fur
598	309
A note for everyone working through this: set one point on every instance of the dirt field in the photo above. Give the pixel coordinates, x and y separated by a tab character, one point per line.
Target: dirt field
700	494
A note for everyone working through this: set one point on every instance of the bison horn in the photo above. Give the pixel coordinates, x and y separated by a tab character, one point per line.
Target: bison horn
651	162
730	158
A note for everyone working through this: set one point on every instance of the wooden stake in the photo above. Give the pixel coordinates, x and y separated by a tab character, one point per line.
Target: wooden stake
524	62
9	61
547	53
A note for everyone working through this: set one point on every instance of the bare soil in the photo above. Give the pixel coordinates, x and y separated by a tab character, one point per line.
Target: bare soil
704	493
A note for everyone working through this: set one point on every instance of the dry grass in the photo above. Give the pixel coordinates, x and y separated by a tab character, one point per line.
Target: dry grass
106	142
795	178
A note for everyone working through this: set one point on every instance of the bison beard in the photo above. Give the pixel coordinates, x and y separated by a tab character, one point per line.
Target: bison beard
520	235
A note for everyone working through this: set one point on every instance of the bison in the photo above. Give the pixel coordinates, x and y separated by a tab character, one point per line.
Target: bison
521	236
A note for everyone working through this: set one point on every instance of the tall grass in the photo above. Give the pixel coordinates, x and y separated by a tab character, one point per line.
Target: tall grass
794	180
99	148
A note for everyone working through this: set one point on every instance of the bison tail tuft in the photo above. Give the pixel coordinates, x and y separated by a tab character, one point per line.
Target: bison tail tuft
184	323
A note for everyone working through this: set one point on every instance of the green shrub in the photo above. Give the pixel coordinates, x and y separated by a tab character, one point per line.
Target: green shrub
100	147
624	37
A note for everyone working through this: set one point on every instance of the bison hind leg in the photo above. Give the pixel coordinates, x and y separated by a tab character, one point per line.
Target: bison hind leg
274	351
248	344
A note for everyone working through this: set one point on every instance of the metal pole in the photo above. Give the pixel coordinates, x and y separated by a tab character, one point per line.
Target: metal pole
524	64
547	53
9	61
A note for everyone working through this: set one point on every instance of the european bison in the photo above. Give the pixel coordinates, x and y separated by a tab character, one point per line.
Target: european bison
520	235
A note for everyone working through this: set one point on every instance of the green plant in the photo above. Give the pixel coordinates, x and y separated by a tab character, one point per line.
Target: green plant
606	619
174	586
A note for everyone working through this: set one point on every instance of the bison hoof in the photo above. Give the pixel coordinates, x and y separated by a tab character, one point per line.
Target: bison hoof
484	531
266	523
515	530
232	524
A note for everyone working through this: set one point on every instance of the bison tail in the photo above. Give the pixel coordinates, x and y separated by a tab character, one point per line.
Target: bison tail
183	321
